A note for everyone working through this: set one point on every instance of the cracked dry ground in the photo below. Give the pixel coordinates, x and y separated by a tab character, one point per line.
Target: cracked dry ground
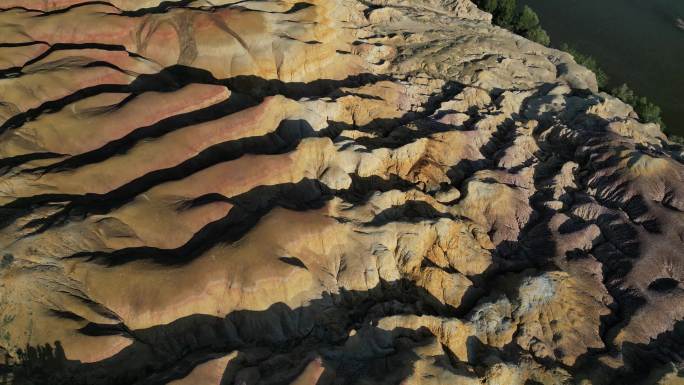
333	192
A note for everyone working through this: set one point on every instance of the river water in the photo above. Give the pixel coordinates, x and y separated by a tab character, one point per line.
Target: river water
636	42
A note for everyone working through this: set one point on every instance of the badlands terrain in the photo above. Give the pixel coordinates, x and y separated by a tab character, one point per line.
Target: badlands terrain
325	192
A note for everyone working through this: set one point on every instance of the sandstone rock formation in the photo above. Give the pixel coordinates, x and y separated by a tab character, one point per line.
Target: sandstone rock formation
332	192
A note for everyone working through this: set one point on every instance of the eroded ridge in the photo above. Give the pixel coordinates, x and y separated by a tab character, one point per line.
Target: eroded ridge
331	192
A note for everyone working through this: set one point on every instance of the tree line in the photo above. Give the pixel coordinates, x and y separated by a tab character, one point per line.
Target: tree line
524	21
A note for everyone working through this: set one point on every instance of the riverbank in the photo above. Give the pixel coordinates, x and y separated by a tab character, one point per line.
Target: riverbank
637	43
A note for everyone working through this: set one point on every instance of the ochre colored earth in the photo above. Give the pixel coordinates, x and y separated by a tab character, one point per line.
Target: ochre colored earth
326	192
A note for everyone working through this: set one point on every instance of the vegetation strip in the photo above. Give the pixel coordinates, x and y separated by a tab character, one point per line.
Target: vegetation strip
525	22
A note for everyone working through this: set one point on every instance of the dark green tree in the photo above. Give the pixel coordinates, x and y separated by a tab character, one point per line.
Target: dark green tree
677	139
647	111
505	13
527	20
623	93
488	5
537	34
526	23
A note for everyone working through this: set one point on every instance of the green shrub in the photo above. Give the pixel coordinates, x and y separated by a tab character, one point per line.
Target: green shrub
526	23
676	139
527	19
538	35
488	5
647	111
504	15
589	62
623	93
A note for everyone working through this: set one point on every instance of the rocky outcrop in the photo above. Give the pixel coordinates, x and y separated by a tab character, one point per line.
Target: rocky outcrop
331	192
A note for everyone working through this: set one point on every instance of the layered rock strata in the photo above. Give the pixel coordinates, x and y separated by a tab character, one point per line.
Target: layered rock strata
331	192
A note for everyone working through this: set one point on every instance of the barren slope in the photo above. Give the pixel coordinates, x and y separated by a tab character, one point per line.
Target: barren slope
348	192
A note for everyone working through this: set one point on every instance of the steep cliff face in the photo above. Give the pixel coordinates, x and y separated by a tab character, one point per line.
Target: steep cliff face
366	192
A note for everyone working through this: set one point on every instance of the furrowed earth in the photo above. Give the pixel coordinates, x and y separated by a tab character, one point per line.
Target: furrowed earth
329	192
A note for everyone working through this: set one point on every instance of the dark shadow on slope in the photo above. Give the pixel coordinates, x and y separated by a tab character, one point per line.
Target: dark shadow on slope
410	211
74	6
667	347
167	6
362	188
6	164
245	87
396	132
234	103
284	139
56	105
272	341
465	168
162	7
14	72
599	155
248	208
260	87
251	88
642	364
248	90
175	77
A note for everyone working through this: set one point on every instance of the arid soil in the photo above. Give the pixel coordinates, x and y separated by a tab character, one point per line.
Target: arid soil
331	192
